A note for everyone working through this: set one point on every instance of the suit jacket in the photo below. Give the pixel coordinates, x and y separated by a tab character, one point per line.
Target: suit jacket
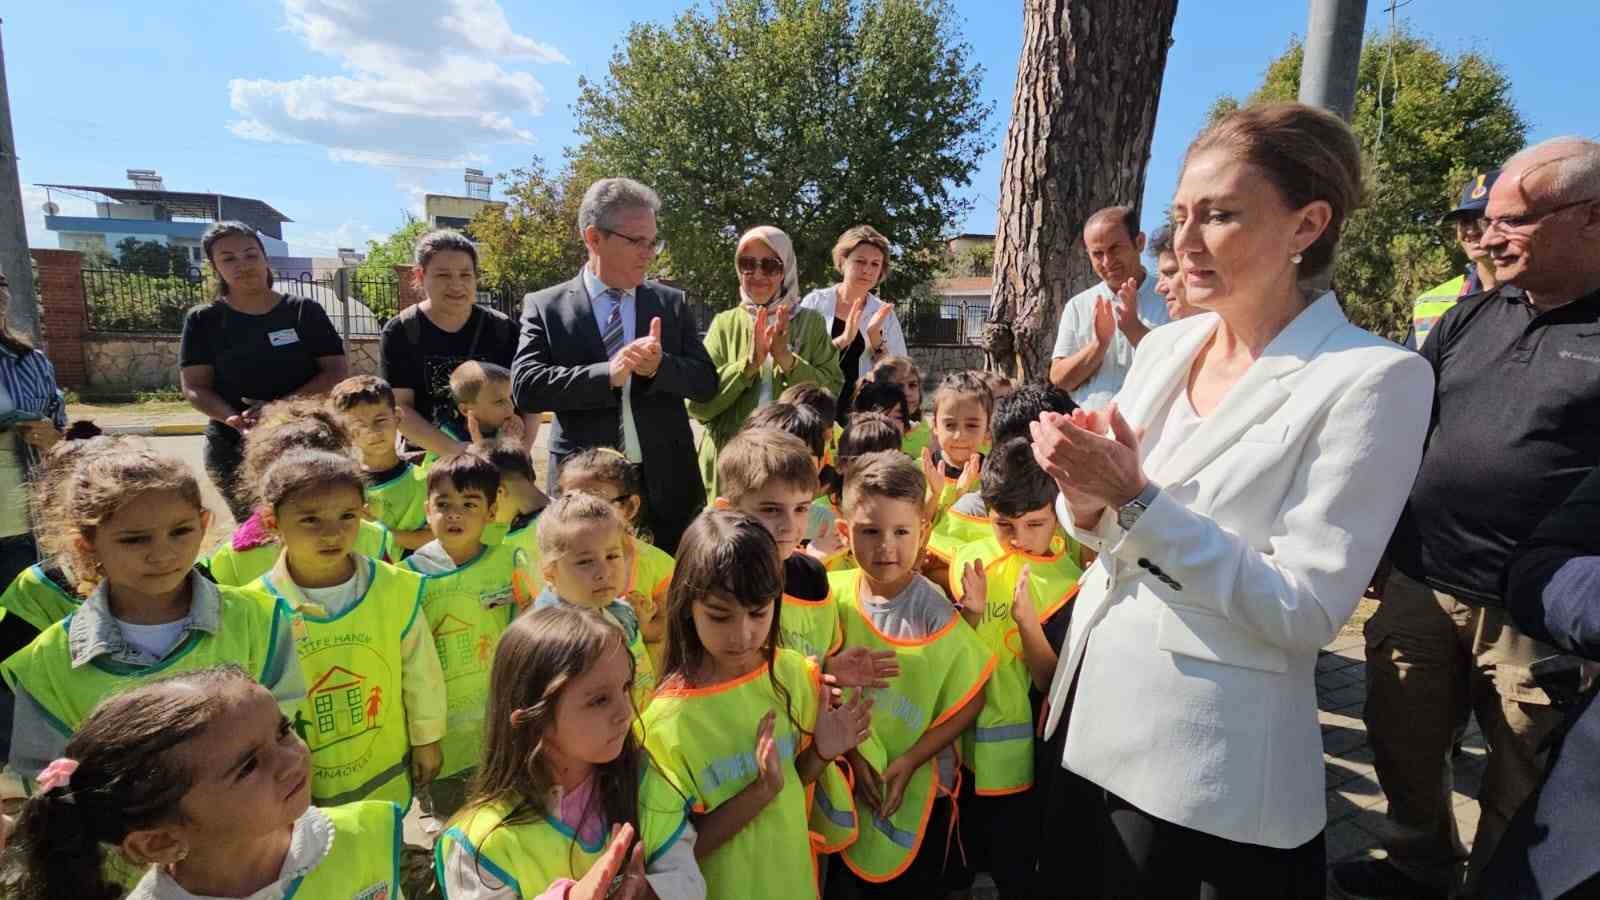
1552	846
561	366
1196	699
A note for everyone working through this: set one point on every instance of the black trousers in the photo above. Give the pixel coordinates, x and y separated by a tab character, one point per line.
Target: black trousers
999	835
931	875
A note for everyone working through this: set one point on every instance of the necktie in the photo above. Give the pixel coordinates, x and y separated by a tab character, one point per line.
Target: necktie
613	333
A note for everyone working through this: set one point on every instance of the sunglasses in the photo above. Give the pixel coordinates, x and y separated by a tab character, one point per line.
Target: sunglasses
766	265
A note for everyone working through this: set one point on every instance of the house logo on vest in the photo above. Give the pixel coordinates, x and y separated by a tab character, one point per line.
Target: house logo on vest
463	648
346	705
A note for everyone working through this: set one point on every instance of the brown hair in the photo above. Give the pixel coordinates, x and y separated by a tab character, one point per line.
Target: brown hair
55	469
855	237
443	240
608	465
535	661
360	390
465	471
469	378
510	458
803	422
301	423
968	384
1309	154
100	484
811	395
566	515
300	470
759	456
887	473
228	229
865	433
131	776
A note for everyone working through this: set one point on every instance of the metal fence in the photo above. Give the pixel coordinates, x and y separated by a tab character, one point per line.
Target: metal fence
123	302
949	321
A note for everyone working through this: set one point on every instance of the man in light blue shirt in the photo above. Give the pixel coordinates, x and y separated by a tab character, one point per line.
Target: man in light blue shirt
1101	326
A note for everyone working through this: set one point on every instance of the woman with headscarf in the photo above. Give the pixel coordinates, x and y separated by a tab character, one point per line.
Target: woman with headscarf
763	346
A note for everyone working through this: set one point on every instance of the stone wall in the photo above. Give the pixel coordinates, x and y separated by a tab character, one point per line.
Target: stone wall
939	360
123	364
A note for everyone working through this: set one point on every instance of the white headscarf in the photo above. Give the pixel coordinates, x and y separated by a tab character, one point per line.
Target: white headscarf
789	289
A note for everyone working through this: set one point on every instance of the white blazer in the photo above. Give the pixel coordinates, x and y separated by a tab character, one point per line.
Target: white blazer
1195	634
825	300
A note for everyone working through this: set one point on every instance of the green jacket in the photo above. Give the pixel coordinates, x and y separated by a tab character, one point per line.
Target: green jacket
729	341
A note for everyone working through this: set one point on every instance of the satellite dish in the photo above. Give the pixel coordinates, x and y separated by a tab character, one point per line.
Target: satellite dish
51	209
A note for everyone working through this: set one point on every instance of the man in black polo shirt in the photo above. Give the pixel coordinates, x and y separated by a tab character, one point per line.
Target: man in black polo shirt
1516	426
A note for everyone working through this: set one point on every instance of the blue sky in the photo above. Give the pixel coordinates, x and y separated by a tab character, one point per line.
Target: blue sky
260	99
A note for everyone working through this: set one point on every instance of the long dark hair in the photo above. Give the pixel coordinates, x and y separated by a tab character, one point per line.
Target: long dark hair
229	229
130	777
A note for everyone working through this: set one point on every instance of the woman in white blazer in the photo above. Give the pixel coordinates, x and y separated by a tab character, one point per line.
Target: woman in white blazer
1239	493
864	328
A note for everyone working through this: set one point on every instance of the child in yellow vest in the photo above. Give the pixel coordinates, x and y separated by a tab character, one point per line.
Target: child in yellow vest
906	775
199	781
517	508
397	491
565	787
300	423
824	406
375	702
132	521
584	549
470	593
1012	585
726	680
866	433
902	371
607	474
962	406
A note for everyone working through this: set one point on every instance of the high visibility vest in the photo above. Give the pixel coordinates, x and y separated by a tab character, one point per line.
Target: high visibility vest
1427	309
810	627
353	717
237	568
468	609
646	590
526	539
364	861
528	853
40	595
401	503
917	437
998	747
939	675
704	741
246	635
953	530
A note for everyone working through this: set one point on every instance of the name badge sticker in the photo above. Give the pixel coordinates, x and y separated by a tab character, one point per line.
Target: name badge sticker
283	337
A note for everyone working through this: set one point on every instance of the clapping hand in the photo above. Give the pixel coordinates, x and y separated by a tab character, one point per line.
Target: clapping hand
974	592
971	471
596	884
875	326
640	356
863	668
512	428
1093	471
761	344
769	767
1126	307
1023	612
1105	322
852	324
841	727
778	339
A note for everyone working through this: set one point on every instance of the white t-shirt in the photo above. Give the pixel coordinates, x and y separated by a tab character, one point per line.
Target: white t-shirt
155	641
1076	331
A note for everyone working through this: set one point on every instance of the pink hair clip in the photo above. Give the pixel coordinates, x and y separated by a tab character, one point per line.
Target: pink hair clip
57	775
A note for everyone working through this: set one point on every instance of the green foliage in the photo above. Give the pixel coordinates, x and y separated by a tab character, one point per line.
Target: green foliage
124	302
533	242
1437	122
394	250
150	257
811	115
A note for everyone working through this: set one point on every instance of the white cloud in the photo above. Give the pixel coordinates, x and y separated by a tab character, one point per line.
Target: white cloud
327	241
419	93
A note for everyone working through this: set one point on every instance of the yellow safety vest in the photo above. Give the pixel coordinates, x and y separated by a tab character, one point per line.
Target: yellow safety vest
530	853
401	503
953	530
917	437
939	675
364	861
998	747
353	717
810	627
248	630
40	596
704	741
237	568
1427	309
646	590
468	609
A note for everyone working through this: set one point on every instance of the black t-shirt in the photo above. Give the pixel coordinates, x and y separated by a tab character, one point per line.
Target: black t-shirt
849	364
264	357
424	366
1516	427
805	577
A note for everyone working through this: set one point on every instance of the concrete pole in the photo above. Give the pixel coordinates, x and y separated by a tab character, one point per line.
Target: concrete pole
1333	55
24	312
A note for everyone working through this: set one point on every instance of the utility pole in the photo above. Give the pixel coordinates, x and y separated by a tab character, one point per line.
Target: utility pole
24	312
1332	55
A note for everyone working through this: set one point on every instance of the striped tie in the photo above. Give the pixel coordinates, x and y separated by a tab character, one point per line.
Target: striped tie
613	333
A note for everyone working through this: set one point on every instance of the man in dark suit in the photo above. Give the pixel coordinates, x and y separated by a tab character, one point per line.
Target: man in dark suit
615	357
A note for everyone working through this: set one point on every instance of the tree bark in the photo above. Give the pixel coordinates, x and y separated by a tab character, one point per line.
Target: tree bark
1082	117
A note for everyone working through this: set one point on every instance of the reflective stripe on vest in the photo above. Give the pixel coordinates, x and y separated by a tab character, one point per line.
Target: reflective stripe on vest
704	740
468	609
364	861
939	675
999	746
353	717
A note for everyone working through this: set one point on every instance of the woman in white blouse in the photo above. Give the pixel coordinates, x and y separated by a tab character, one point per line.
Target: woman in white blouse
864	328
1239	493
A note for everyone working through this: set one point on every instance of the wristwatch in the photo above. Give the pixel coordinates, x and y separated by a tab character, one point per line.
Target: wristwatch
1128	513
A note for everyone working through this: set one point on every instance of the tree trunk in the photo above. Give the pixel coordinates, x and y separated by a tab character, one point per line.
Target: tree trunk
1082	118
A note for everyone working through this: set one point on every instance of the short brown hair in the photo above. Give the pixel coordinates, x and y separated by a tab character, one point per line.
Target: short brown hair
966	383
887	473
759	456
359	390
813	396
568	513
855	237
470	377
1309	154
465	471
801	421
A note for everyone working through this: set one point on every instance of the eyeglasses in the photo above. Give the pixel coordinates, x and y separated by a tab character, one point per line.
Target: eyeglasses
639	243
766	265
1527	220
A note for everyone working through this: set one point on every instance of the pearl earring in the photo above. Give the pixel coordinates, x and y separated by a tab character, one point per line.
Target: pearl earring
1295	259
